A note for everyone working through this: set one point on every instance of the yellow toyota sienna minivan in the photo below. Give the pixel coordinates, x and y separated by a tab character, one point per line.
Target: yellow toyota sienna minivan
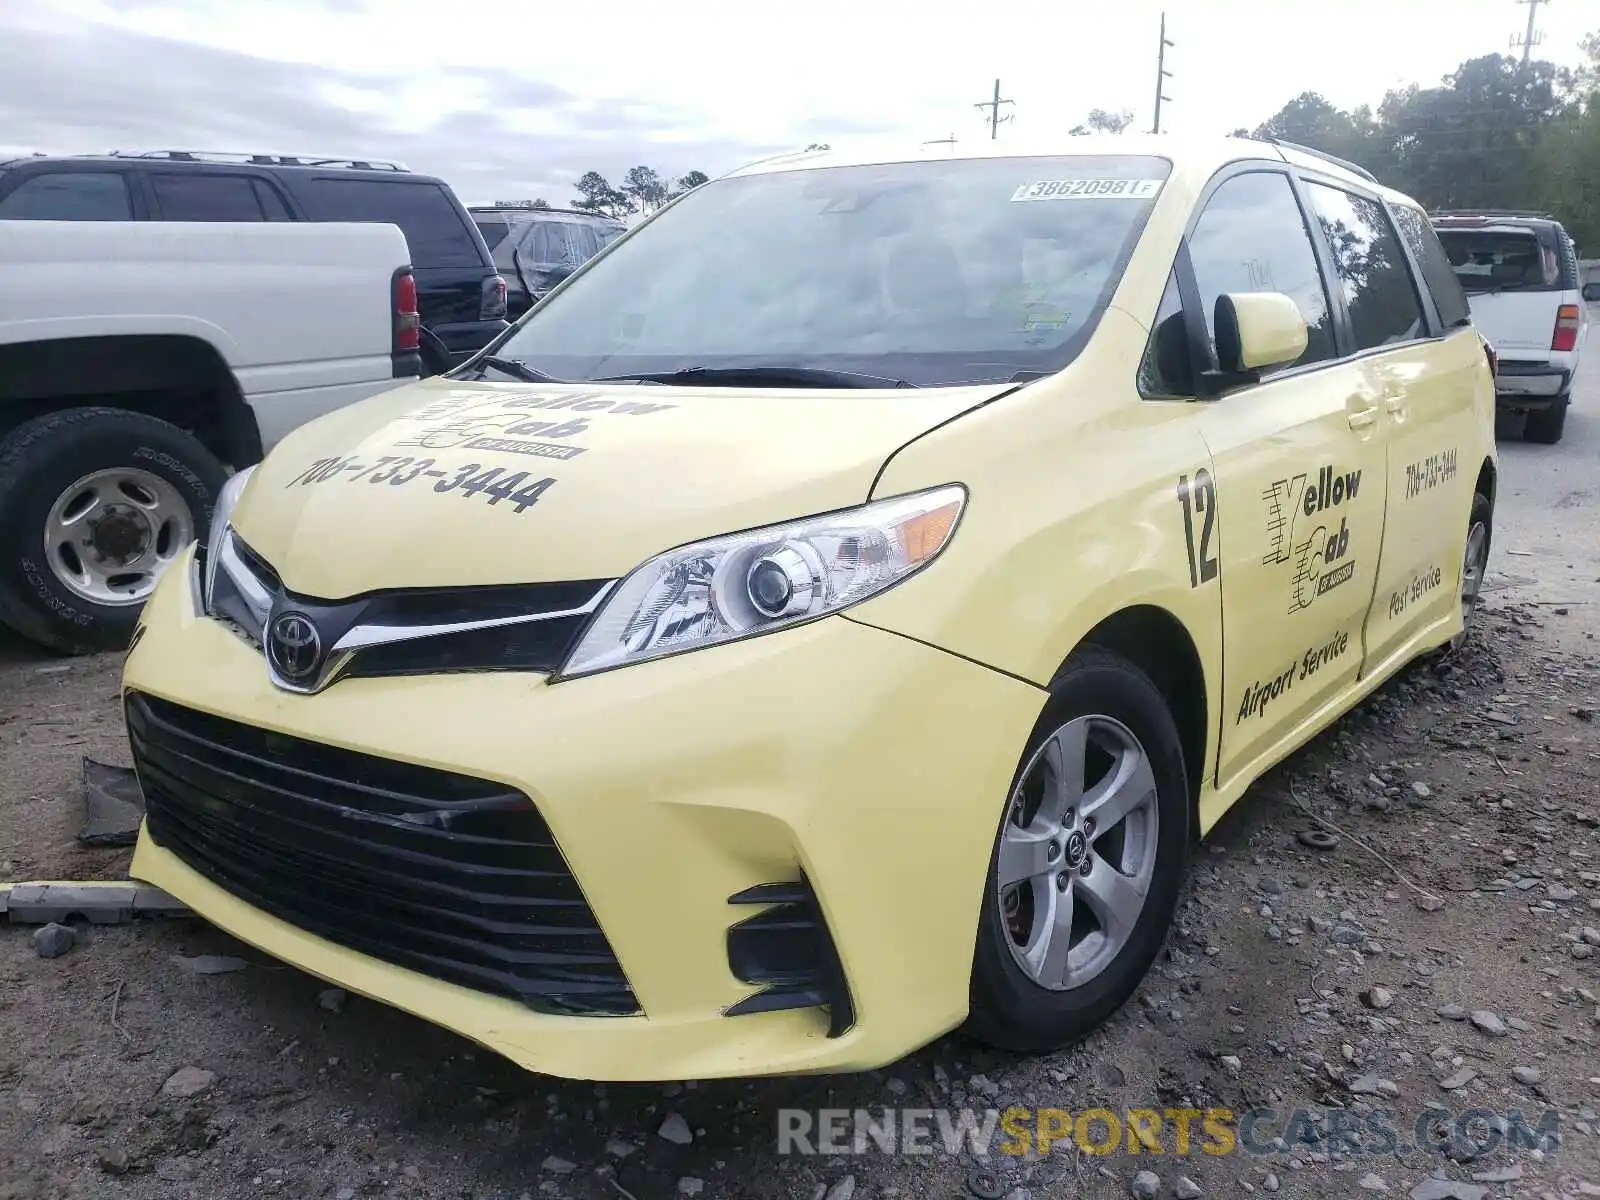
831	616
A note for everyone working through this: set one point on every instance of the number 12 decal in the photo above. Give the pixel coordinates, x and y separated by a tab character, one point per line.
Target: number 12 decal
1199	499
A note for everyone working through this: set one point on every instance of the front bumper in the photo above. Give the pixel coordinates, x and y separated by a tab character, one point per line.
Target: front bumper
873	766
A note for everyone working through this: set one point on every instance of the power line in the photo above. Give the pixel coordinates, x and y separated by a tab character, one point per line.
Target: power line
1530	39
1162	74
994	111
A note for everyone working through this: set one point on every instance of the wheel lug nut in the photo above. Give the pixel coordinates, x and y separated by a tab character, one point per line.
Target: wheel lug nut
1052	851
1063	881
1088	824
1068	817
1084	870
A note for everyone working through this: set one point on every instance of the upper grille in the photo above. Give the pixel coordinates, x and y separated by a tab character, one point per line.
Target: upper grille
456	877
411	631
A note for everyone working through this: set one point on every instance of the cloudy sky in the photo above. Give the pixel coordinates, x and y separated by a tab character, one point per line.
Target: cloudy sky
515	98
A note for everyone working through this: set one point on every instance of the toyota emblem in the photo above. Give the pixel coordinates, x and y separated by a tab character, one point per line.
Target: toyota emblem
294	647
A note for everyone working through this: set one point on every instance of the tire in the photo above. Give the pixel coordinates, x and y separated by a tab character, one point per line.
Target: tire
1546	425
1472	572
1010	1008
155	483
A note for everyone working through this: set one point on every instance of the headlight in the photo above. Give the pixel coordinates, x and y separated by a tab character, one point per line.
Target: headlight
221	515
748	583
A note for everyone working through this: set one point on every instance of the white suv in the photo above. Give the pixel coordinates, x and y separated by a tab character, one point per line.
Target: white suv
1520	273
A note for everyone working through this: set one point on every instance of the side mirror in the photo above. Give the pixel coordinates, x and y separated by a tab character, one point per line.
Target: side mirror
1591	292
1257	330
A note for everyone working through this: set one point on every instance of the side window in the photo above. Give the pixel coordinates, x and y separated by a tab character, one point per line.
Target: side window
1378	291
70	196
1252	238
205	197
271	202
436	233
1435	264
1167	368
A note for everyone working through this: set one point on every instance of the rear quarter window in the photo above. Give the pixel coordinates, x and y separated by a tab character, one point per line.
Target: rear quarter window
435	231
1423	242
69	196
494	229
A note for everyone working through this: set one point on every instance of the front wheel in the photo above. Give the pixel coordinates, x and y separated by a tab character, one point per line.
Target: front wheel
98	502
1474	564
1088	863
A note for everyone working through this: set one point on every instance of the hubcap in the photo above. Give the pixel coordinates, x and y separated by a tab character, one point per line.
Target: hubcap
109	536
1473	563
1077	852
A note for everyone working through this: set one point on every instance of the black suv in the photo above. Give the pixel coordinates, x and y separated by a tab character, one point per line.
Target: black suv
536	248
460	296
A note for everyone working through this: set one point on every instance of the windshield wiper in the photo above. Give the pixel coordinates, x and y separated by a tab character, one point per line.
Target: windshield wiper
821	377
516	368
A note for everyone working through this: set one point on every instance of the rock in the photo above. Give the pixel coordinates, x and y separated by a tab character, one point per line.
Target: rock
210	964
558	1166
52	940
1374	1085
1451	1012
896	1087
1591	935
332	999
1186	1189
1421	790
345	1193
1458	1079
1489	1022
1582	950
676	1130
187	1083
1146	1185
1430	903
1499	1174
1232	1063
1527	1075
690	1186
842	1190
114	1162
1448	1189
618	1148
1377	997
1347	935
1271	885
1270	1183
1372	1183
1560	892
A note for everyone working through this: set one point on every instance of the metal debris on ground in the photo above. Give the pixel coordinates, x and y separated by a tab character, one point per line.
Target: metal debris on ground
99	903
113	805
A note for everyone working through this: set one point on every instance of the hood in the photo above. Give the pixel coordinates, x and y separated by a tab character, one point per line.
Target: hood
449	484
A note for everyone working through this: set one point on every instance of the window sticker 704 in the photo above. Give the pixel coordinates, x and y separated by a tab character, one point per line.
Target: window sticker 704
469	479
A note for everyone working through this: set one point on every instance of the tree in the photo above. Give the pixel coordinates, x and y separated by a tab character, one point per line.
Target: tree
644	189
597	195
1102	120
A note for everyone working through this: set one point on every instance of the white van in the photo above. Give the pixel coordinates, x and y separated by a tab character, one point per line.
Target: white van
1520	273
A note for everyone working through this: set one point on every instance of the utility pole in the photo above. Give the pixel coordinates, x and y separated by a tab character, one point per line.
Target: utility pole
1162	74
1530	39
994	111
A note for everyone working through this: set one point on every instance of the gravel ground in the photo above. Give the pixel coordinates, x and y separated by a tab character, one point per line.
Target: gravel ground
1444	954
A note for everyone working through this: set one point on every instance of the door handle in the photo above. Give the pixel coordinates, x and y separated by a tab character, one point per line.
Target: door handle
1395	404
1363	413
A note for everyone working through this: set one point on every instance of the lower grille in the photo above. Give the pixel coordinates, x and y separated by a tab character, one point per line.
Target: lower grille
788	949
455	877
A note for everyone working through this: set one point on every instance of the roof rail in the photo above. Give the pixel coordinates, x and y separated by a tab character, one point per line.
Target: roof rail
1492	212
265	160
1353	168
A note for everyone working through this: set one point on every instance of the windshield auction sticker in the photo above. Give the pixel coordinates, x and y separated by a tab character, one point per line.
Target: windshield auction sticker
1087	189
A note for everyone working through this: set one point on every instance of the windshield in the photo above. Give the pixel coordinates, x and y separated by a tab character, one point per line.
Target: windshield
937	272
1498	261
